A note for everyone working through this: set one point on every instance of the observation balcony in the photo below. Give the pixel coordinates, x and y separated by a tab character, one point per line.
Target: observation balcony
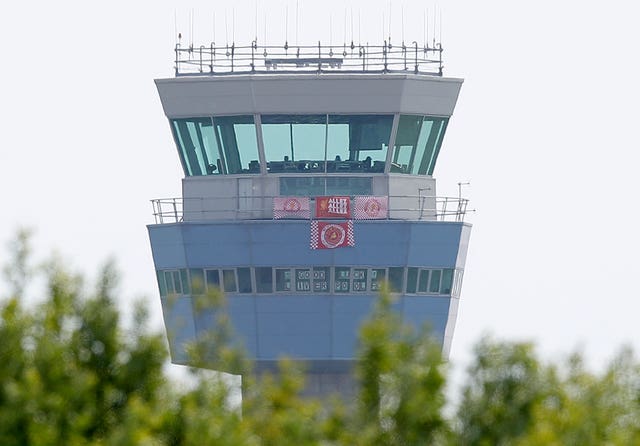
417	207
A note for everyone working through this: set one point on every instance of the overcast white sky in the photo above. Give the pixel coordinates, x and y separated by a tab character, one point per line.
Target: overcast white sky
545	130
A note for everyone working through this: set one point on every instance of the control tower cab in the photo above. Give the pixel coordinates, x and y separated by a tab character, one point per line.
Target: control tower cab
308	182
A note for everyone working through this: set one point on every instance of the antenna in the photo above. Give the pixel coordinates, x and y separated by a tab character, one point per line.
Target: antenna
296	22
226	27
233	26
175	25
359	27
389	22
191	26
255	21
402	22
352	27
330	29
435	10
424	27
440	39
286	25
344	35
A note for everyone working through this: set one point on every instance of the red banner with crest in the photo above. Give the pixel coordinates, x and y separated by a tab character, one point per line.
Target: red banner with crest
329	235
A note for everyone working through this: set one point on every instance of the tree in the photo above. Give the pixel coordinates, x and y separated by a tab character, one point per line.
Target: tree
71	374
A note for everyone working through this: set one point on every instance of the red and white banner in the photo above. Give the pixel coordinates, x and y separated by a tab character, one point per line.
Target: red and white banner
371	208
333	207
291	207
327	235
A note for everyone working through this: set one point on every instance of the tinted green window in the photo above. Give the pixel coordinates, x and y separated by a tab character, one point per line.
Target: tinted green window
264	280
283	279
213	279
244	280
447	281
186	283
378	275
229	280
358	143
313	186
342	280
359	279
197	146
294	143
173	282
349	186
303	280
434	285
412	278
197	280
236	136
417	144
423	282
321	279
161	283
396	276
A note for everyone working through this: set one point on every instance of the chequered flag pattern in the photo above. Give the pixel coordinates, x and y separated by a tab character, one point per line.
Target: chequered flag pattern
291	207
329	235
371	208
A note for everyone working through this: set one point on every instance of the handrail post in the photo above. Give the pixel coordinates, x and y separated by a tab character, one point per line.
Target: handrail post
175	210
384	56
177	50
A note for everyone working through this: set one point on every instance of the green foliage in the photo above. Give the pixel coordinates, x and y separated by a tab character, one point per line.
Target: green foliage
71	374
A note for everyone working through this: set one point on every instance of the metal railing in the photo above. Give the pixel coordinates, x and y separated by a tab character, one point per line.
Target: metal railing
231	59
171	210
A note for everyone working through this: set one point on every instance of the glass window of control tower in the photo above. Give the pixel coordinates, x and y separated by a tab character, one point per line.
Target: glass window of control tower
224	145
417	144
319	143
294	143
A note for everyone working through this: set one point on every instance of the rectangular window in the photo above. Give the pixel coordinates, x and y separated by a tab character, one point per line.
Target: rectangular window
197	280
229	280
447	281
264	279
342	280
434	285
303	280
283	279
161	283
236	136
359	279
378	275
423	282
396	279
213	279
412	279
244	280
294	143
417	144
197	146
358	143
173	282
321	279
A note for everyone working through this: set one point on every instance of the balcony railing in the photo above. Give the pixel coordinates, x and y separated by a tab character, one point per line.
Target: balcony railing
172	210
215	59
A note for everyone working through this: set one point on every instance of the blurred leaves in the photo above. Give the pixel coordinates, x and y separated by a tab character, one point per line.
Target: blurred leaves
71	374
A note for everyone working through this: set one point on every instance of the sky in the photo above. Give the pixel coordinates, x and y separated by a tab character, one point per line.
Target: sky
545	132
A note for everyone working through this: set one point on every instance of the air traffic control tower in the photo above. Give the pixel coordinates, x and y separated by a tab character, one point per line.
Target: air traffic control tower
308	181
